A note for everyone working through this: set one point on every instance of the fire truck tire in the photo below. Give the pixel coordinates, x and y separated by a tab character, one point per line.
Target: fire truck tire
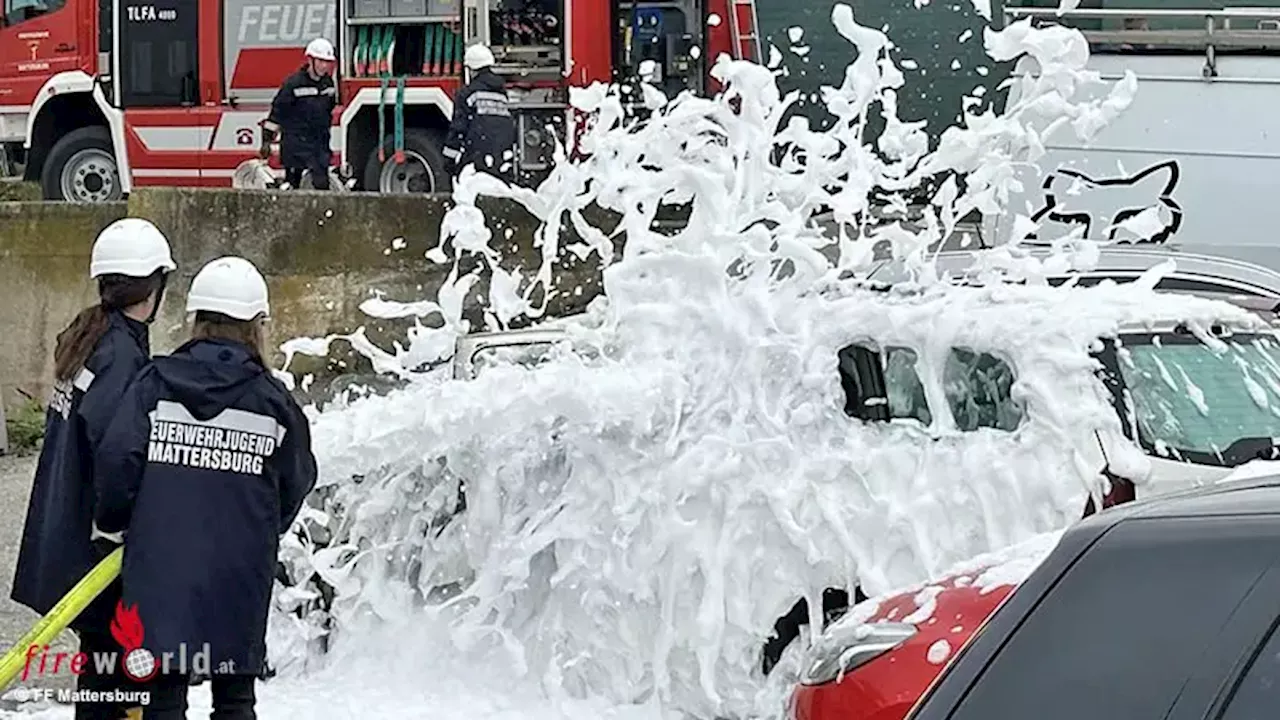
422	171
81	167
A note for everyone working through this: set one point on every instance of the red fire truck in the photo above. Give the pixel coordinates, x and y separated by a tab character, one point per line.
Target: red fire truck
100	96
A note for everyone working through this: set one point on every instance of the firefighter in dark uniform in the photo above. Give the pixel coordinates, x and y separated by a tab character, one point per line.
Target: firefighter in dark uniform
95	358
482	133
206	465
302	116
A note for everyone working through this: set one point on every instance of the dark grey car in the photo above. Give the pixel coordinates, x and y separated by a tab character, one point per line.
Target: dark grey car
1162	609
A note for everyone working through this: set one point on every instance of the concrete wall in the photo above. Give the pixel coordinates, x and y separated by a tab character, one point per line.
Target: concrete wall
323	254
44	268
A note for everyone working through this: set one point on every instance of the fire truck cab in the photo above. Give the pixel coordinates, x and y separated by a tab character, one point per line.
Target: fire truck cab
100	96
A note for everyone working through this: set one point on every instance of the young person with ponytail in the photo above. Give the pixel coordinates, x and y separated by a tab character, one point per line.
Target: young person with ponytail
94	360
206	465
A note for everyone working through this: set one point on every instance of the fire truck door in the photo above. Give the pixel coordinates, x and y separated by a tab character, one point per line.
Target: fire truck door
156	85
37	41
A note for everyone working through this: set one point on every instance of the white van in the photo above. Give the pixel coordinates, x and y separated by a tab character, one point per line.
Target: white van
1009	402
1183	447
1189	411
1195	153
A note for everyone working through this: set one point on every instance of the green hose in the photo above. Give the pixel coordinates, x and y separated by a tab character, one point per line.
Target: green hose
60	616
446	50
389	50
430	39
373	60
399	117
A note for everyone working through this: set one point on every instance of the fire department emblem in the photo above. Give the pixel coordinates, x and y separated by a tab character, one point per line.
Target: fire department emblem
34	48
138	664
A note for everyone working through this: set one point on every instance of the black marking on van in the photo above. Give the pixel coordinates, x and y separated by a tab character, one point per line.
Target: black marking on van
1162	177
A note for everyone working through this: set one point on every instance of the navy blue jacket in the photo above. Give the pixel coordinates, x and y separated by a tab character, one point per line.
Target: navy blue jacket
483	132
55	551
303	108
206	466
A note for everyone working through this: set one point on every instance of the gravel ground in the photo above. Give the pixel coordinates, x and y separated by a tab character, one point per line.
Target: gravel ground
16	620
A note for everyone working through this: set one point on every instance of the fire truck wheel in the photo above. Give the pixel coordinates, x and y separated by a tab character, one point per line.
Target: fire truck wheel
82	168
423	169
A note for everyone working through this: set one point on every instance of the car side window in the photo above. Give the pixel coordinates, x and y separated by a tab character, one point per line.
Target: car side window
16	11
904	387
882	386
1257	695
979	389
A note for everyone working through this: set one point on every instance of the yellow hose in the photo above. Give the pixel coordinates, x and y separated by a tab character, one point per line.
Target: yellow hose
57	619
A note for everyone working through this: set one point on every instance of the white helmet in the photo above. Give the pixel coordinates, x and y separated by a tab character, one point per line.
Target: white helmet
130	246
231	286
320	49
478	57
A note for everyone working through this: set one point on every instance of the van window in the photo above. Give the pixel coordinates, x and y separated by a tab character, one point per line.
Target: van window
862	380
903	386
882	386
979	389
16	11
1190	398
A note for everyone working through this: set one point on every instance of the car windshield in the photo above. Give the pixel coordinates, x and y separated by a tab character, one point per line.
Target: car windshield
1192	400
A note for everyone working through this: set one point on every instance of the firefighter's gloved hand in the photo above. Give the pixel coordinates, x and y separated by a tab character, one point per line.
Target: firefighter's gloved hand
270	131
102	548
451	157
103	542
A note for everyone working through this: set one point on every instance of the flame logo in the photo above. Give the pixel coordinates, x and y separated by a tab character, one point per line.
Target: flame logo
126	627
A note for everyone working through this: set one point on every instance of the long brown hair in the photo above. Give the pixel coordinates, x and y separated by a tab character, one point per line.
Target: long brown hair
115	292
216	326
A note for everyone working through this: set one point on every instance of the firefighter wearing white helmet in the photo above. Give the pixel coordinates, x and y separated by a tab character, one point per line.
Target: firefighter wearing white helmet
301	116
209	462
229	286
483	132
94	360
132	247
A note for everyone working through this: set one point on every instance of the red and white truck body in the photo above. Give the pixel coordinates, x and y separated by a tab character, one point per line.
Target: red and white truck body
100	96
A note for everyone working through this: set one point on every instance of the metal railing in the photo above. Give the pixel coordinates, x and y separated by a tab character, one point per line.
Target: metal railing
1218	27
1219	32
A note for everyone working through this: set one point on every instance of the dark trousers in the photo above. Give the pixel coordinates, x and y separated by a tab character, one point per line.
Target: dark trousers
319	168
233	698
93	641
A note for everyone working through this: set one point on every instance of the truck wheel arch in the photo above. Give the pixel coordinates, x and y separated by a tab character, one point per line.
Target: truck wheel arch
426	108
425	144
79	90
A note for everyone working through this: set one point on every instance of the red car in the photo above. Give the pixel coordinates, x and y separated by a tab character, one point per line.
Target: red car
876	667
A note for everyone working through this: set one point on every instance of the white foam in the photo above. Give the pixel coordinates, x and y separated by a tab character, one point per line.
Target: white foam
938	652
635	523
